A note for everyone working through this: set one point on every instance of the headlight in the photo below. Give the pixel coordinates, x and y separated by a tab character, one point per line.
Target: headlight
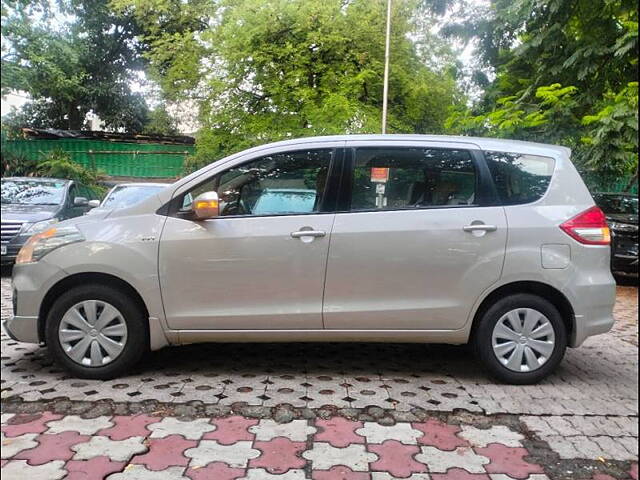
39	226
42	243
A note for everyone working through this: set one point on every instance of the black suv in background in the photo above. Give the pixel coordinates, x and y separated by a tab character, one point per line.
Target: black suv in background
30	205
621	210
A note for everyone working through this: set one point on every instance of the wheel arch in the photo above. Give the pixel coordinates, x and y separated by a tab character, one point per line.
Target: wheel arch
544	290
86	278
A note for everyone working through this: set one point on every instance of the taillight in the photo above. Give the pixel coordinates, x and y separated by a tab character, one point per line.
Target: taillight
590	227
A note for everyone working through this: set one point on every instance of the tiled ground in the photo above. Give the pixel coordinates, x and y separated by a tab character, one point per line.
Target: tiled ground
583	419
51	446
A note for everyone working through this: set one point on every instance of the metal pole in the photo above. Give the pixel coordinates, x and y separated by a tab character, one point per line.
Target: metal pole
385	89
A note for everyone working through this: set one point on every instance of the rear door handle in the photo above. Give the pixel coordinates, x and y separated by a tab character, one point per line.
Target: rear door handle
480	228
308	233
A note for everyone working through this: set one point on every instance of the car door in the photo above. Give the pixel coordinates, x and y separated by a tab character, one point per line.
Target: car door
418	242
261	263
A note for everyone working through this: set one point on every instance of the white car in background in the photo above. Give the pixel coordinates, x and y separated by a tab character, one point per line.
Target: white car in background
125	195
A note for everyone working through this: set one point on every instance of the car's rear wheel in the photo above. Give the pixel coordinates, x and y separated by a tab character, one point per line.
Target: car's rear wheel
521	339
96	331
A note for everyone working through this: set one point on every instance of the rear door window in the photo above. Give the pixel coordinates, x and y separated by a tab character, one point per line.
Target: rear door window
520	178
402	178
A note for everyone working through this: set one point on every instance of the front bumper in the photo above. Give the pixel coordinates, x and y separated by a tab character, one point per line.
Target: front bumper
22	329
13	247
624	253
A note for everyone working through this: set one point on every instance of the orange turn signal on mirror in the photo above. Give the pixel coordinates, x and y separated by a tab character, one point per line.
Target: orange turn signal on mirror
199	204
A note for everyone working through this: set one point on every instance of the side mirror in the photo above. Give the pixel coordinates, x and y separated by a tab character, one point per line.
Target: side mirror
80	202
206	205
94	203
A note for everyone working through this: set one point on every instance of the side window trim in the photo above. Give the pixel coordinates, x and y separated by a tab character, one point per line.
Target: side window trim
172	208
486	194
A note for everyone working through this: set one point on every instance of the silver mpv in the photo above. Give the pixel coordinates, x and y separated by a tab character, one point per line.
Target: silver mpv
372	238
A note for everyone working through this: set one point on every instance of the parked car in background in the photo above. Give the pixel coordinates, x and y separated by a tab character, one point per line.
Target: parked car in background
125	195
621	210
31	205
384	238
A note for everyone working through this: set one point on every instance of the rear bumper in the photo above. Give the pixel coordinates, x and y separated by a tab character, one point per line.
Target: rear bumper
22	329
593	307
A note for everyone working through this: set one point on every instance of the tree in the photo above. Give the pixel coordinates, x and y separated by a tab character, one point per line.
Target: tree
564	72
268	70
73	57
160	122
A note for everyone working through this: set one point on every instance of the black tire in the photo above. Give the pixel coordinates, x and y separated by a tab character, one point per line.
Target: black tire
137	343
484	331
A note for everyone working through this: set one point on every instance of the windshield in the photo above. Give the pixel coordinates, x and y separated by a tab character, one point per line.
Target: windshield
128	195
32	192
618	204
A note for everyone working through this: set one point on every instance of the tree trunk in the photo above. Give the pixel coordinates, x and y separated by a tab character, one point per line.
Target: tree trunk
75	120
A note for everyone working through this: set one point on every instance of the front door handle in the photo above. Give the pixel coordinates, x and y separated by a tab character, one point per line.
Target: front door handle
308	233
481	227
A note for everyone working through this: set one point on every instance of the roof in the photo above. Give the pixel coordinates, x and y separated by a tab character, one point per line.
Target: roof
38	179
56	134
484	143
141	184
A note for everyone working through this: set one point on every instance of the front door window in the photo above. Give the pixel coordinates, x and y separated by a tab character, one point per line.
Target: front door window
281	184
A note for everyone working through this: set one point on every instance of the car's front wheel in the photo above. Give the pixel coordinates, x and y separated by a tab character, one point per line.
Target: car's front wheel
96	331
521	339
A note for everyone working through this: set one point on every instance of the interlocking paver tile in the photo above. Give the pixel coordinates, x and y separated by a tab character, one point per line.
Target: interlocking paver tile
440	461
260	474
116	450
21	470
126	426
338	431
296	430
231	429
92	469
323	456
84	426
52	447
396	458
459	474
13	445
215	471
440	435
339	472
509	460
28	424
481	437
5	417
402	432
279	455
139	472
502	476
387	476
189	429
208	451
165	452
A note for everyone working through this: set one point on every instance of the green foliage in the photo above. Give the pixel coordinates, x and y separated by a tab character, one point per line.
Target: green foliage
58	164
563	74
17	165
269	70
612	133
72	57
160	122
